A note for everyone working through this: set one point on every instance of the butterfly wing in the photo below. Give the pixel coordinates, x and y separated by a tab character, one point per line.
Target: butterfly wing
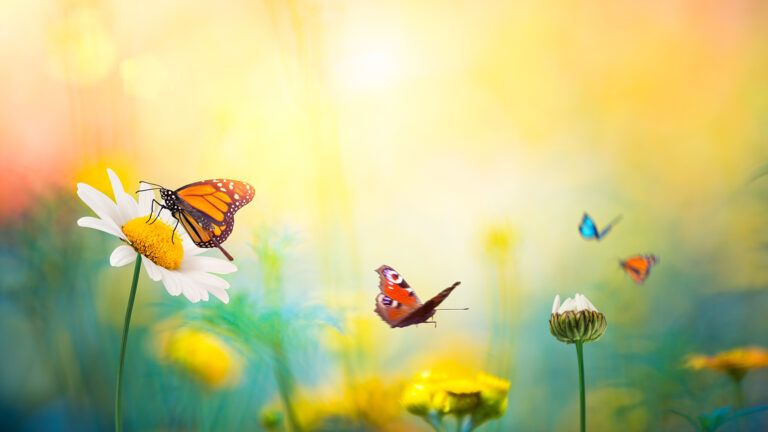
638	267
393	285
392	311
427	310
216	201
605	230
588	229
204	235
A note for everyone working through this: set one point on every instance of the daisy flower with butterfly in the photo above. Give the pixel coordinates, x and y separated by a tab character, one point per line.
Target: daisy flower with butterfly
168	256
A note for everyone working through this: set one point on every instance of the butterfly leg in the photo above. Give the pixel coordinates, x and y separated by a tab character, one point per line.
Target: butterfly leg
151	211
157	216
431	322
173	234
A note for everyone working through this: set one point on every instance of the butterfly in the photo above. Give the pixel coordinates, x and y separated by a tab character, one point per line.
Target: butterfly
589	230
638	267
397	303
206	209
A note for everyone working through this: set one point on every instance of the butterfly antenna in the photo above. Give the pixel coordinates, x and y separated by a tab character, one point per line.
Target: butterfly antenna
615	220
466	308
150	183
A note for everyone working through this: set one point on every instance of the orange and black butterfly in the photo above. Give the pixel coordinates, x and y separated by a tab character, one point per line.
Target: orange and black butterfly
638	267
206	209
397	303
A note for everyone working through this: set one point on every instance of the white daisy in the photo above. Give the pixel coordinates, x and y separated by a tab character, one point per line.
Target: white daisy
171	258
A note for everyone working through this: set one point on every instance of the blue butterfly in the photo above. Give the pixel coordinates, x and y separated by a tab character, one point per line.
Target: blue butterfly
589	230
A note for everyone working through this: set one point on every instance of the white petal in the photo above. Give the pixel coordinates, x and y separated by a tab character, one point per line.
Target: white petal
153	270
190	249
567	305
205	278
556	304
97	201
219	293
117	186
122	255
126	206
145	199
171	283
209	264
191	292
106	226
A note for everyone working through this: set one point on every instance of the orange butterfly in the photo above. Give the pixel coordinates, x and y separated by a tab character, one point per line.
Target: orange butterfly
206	209
638	267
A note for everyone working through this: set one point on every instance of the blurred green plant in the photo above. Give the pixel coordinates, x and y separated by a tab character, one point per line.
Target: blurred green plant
710	422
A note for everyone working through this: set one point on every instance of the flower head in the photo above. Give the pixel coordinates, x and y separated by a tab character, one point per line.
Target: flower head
736	362
170	256
434	394
202	355
576	320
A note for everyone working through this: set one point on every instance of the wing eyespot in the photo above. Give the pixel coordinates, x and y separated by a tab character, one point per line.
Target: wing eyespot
393	276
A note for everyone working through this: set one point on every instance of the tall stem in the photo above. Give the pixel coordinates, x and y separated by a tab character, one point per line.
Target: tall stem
126	324
739	396
582	398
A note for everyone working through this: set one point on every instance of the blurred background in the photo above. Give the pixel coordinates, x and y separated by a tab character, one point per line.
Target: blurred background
451	140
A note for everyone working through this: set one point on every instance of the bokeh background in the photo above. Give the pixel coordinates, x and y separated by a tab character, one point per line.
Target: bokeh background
453	140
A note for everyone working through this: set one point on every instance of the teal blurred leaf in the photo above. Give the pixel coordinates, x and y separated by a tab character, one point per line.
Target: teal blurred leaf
710	422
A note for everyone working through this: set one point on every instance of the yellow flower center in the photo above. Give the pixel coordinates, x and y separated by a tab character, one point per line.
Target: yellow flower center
156	241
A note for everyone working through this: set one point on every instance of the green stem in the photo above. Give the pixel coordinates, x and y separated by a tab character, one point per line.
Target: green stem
582	398
465	424
435	421
126	324
739	395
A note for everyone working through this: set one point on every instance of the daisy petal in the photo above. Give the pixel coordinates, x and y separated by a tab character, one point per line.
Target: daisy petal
191	292
171	283
219	293
97	201
104	225
206	278
126	206
209	264
145	198
153	270
122	255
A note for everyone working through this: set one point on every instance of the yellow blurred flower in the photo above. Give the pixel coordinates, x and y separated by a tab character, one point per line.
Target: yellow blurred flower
736	362
472	397
367	404
202	355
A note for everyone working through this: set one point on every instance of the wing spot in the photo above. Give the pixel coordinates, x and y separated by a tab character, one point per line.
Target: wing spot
237	197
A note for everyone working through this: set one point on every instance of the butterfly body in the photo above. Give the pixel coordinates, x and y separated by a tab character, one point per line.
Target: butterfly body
638	267
206	209
398	305
589	231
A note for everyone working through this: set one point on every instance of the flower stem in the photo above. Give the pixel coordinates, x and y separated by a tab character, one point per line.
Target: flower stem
464	424
435	421
582	398
739	396
126	324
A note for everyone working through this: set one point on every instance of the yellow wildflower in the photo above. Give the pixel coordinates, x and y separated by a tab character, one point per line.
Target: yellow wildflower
202	355
736	362
470	397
